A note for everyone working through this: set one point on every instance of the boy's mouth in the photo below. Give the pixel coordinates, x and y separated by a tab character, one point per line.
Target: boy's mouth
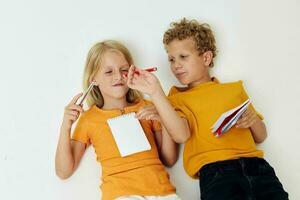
180	74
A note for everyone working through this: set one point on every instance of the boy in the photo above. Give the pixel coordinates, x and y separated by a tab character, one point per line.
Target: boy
230	166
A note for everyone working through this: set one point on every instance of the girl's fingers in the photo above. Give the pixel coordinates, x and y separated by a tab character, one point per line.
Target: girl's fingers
143	115
76	107
73	113
73	118
146	109
149	116
75	99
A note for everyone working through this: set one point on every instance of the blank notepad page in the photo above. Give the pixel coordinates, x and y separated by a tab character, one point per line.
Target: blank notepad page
128	134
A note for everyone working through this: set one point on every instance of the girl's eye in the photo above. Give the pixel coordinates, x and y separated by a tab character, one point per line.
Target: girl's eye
171	60
124	70
183	56
108	72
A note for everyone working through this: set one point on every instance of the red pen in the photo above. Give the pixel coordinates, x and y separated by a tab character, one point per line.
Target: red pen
152	69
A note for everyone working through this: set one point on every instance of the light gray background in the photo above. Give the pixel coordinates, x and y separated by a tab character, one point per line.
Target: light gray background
43	46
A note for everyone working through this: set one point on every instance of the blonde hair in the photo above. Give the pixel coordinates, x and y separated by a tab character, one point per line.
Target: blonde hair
93	63
200	33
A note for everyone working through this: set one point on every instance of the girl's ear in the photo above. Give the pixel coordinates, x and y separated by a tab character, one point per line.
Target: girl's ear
207	56
93	80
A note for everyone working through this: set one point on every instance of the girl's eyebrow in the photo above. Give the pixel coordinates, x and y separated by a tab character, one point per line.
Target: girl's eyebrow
124	65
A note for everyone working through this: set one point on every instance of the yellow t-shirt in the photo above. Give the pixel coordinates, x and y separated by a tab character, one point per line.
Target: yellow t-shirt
202	106
137	174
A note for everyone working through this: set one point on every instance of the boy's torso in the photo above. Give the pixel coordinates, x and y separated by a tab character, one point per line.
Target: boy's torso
202	106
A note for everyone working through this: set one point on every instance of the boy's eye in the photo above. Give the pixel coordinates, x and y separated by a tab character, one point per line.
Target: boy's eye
108	72
124	70
171	60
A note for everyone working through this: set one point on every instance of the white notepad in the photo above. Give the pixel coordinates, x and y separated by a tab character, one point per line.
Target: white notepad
128	134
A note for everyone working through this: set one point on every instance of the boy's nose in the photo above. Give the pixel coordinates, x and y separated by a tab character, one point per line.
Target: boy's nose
177	65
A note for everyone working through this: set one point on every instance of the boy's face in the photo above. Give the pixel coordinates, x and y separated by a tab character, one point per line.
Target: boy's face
187	65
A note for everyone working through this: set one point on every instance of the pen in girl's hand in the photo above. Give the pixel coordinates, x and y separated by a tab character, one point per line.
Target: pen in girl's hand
86	93
153	69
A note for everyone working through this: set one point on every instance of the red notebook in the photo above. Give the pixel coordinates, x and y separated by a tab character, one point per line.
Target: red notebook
229	118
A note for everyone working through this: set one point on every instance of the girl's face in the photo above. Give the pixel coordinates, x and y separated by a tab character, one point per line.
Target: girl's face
110	78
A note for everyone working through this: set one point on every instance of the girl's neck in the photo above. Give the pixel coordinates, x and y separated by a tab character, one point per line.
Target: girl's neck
113	104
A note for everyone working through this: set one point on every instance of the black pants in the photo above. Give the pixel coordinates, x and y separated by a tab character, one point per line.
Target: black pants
241	179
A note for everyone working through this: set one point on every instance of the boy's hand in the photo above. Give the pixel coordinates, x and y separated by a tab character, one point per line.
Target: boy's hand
72	112
148	113
249	118
144	81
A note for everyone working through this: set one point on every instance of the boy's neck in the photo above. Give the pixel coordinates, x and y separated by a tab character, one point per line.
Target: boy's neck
200	81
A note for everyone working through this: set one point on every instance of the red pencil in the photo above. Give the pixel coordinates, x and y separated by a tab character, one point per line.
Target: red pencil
152	69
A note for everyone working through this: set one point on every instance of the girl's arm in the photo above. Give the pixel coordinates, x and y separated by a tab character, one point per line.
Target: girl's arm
251	120
68	153
147	83
167	148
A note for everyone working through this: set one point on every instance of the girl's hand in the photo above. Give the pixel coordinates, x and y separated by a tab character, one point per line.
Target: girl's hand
148	113
249	118
144	81
72	112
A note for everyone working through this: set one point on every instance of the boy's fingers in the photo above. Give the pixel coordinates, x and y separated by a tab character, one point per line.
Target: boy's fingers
242	120
242	125
130	72
245	113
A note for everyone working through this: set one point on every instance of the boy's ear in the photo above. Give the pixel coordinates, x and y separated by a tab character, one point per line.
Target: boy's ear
207	56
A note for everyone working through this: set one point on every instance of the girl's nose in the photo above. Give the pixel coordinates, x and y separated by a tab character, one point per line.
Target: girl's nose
118	75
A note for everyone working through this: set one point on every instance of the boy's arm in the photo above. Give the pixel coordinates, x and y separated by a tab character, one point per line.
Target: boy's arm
251	120
147	83
176	126
259	131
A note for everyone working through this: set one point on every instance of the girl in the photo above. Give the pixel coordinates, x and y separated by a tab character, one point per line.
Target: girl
137	176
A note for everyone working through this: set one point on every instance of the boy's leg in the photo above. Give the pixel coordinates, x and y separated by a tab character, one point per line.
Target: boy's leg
266	185
224	180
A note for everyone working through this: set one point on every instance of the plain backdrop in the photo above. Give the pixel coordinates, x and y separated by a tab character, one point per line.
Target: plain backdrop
43	47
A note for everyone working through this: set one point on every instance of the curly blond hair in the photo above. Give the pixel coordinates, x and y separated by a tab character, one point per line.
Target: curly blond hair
201	33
